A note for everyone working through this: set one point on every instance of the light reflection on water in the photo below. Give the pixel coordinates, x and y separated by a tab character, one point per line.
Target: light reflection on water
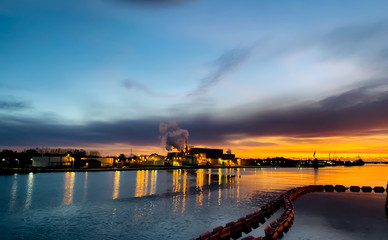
148	204
30	187
69	188
116	185
142	179
85	186
140	183
14	191
154	178
199	186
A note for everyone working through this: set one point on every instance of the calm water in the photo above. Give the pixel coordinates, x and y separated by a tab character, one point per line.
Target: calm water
180	204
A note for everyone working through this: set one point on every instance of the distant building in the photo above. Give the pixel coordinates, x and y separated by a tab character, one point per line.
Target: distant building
204	156
52	161
154	160
91	162
190	160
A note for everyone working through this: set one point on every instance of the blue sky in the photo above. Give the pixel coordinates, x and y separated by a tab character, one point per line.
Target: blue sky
105	73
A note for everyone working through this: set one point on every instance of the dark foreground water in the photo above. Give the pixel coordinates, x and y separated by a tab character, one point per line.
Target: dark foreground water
180	204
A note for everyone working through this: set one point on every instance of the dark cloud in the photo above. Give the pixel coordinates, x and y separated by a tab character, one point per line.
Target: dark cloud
9	105
33	132
333	116
361	111
363	95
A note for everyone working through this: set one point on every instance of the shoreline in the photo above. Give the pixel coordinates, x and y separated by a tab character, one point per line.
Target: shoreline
46	170
12	171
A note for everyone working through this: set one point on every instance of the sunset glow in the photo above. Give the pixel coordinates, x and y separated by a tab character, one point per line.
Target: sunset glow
260	78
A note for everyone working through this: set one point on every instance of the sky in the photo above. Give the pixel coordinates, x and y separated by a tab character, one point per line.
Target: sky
261	78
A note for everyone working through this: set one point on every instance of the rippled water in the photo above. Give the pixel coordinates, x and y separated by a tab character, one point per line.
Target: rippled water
174	204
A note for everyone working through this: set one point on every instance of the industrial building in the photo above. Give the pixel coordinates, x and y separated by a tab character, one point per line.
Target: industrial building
52	161
204	156
92	162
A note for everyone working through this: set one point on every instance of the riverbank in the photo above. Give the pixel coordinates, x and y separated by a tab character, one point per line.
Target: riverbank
11	171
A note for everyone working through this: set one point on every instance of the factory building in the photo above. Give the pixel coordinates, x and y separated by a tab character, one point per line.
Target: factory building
52	161
204	156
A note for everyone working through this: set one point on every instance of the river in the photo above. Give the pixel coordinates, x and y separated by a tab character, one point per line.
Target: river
177	204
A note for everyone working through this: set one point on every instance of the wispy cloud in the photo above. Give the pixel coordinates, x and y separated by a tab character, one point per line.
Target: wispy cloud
12	105
253	144
151	3
225	64
366	39
136	86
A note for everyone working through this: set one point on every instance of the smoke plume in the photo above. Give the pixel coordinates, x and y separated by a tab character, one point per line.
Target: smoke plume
172	137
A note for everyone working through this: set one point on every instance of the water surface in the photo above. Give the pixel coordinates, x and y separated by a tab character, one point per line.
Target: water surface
148	204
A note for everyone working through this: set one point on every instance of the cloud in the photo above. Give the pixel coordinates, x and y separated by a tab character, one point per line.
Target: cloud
337	115
136	86
151	2
132	85
355	39
37	132
366	44
157	1
225	64
254	144
360	111
12	105
368	93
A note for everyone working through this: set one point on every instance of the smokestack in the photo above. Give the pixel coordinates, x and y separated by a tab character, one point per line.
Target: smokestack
172	137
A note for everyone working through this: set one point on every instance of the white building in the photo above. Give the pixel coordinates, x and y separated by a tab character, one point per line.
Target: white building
154	160
52	161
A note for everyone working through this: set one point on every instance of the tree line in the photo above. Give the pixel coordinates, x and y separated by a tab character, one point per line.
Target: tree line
15	159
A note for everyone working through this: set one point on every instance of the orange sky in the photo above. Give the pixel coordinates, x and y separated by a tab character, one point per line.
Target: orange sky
347	147
367	147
